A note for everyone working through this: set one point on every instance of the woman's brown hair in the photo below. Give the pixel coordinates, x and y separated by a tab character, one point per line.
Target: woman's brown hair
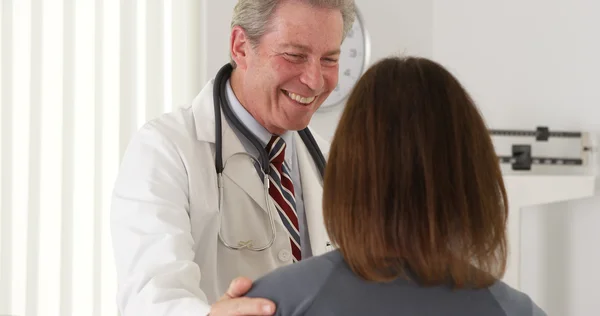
413	182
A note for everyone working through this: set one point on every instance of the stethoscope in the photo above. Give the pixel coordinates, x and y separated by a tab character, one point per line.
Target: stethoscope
222	103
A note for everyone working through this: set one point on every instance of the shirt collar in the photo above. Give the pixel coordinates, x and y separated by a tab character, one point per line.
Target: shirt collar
263	135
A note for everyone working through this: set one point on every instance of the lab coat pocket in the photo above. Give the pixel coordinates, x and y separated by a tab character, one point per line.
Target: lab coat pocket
245	223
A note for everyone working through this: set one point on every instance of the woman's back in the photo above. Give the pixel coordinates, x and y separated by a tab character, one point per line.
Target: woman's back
412	183
326	286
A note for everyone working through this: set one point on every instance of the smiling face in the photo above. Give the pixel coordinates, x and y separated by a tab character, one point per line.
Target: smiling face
293	69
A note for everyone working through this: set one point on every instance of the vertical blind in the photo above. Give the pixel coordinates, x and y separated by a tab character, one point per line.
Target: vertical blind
78	77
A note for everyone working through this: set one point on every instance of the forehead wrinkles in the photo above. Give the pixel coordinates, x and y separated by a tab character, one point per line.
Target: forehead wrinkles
308	37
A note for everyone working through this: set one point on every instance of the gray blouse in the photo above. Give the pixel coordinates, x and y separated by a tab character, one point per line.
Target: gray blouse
325	286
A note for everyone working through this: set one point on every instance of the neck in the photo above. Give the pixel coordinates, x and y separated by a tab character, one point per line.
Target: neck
237	85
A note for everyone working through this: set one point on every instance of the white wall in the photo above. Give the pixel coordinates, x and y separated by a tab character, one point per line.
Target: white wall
530	63
394	27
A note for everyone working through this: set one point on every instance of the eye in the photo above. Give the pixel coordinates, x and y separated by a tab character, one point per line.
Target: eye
294	57
330	61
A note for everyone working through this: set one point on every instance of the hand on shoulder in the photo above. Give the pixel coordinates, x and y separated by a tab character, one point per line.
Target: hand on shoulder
233	302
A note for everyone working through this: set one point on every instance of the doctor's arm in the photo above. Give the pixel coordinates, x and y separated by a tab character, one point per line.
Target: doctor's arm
152	240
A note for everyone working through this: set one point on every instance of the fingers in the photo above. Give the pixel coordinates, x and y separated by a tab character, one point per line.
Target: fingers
232	302
238	287
243	306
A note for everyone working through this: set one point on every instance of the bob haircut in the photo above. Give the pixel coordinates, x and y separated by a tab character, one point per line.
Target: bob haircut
413	186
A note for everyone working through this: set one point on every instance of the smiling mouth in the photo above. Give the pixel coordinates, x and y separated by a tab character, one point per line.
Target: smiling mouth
298	98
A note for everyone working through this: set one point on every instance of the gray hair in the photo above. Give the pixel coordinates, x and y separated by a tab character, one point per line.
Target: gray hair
254	16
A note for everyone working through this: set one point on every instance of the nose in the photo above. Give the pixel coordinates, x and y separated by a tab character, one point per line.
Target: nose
313	76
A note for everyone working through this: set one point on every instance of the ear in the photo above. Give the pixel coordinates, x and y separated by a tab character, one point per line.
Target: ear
239	46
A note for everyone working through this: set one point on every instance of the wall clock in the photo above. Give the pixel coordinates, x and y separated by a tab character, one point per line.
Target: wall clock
354	56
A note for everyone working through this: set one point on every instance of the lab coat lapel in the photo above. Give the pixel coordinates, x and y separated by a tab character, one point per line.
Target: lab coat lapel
312	194
240	168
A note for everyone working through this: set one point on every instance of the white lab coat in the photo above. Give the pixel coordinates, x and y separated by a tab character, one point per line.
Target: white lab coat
165	222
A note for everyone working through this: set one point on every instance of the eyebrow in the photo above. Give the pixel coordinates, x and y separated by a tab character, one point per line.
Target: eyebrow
305	48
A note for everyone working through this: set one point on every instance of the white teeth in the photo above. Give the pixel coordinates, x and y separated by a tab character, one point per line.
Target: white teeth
299	98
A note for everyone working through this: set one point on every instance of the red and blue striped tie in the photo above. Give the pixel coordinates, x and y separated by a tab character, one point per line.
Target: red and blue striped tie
281	190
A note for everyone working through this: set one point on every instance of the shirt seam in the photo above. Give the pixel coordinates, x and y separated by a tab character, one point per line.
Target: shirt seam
497	302
314	298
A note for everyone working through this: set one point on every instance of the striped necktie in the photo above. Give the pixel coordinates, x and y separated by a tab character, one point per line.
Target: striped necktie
281	190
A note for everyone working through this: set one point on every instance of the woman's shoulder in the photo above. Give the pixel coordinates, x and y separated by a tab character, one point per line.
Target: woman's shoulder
293	288
515	302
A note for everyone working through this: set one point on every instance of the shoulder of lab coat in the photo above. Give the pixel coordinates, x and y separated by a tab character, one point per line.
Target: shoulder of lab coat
150	224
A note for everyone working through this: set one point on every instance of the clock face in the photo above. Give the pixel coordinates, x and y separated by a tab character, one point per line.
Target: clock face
353	57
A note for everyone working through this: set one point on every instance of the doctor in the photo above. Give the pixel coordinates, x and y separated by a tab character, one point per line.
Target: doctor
231	186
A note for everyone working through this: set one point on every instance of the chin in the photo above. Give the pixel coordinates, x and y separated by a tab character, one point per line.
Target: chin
297	125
